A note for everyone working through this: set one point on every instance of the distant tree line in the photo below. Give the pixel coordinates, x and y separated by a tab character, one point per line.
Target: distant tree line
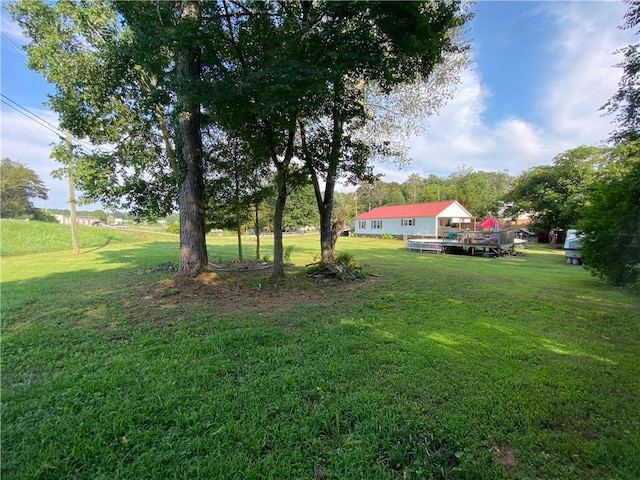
198	105
238	113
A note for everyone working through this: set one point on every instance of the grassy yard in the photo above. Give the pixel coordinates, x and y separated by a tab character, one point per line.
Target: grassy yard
20	237
436	367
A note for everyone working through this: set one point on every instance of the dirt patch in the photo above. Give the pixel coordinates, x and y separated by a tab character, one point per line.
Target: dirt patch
236	292
503	453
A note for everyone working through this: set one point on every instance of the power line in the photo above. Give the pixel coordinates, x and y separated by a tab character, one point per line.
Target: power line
41	123
39	120
12	43
13	102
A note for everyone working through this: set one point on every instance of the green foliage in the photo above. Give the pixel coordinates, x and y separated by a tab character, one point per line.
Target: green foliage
113	92
347	258
625	103
554	194
479	369
387	236
43	215
174	227
287	253
480	192
301	209
18	186
611	219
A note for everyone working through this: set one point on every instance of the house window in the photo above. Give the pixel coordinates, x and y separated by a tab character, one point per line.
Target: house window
376	224
362	224
408	222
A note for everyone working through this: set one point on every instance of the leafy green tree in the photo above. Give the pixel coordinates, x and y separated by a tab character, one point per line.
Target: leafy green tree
412	188
236	184
436	189
18	186
611	211
371	195
125	75
611	219
261	88
481	193
385	45
393	194
345	205
553	195
625	104
301	210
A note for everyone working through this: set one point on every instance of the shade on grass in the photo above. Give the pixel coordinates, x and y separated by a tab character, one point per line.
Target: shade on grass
437	367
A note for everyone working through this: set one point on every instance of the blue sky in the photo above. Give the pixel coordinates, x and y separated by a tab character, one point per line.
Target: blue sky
538	73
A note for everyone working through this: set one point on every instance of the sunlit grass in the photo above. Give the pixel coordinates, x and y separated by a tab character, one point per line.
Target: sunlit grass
438	366
19	237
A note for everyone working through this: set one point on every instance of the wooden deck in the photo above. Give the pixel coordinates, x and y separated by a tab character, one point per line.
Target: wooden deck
485	244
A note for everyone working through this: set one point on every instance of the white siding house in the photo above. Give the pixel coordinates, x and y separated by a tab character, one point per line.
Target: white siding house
434	219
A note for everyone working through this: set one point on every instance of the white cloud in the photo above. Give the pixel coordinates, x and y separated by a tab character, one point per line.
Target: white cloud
27	142
579	79
519	137
11	29
585	77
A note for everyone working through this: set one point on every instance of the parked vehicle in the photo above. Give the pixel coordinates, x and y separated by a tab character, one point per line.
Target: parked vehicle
573	247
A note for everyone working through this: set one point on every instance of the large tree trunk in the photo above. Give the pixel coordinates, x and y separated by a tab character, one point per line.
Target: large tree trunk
239	228
282	185
193	248
278	250
325	205
326	234
257	226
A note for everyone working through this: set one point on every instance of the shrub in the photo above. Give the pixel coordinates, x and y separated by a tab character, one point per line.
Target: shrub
173	228
346	258
287	253
387	236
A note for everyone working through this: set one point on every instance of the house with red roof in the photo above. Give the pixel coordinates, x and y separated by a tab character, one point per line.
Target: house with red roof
433	219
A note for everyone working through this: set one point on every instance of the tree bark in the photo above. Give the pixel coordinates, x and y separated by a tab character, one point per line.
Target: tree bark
282	185
193	248
278	250
325	204
239	228
257	225
327	242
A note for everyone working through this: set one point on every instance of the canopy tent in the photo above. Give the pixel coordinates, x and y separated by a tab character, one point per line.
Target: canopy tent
490	223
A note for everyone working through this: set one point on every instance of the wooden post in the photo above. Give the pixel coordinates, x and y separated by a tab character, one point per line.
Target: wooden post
73	219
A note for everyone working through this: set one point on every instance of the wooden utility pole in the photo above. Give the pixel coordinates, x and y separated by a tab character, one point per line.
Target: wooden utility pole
73	220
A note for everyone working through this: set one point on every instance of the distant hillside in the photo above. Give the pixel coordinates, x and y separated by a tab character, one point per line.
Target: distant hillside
19	237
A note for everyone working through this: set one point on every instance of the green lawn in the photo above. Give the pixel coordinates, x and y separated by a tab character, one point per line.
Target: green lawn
20	237
435	367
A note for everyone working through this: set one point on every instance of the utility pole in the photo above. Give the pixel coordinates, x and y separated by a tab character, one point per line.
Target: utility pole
73	220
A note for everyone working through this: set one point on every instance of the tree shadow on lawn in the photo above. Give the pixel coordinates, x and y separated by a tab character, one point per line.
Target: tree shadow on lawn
480	382
142	288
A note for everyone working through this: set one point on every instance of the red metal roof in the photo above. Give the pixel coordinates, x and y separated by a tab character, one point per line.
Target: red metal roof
430	209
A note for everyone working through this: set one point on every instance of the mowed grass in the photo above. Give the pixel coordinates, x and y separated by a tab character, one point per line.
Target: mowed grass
436	367
19	237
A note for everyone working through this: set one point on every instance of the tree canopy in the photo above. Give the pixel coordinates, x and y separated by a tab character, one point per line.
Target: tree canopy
19	185
553	195
296	82
624	105
611	213
482	193
610	218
